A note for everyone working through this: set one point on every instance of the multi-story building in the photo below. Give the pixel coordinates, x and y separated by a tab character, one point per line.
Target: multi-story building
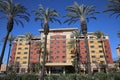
60	57
118	51
24	51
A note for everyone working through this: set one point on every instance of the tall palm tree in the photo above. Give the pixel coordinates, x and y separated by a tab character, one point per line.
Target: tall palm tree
114	8
81	13
100	36
45	16
13	13
10	39
29	37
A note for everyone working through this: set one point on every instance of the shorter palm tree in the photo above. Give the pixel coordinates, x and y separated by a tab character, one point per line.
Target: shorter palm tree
100	36
29	37
10	39
39	46
74	44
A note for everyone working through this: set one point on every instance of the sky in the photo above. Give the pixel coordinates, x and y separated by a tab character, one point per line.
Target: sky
105	23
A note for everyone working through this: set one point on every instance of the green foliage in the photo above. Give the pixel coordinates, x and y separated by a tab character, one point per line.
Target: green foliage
96	76
100	76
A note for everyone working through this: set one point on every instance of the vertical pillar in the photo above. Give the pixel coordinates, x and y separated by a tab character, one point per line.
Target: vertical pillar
84	70
92	68
49	71
64	70
98	69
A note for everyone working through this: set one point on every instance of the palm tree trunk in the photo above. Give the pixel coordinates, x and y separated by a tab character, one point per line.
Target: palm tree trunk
88	56
78	52
29	58
8	56
3	49
44	57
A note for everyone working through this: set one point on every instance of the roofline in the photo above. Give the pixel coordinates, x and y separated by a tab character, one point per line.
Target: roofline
58	29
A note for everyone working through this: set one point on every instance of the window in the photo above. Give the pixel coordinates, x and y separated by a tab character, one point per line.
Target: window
51	57
51	46
100	51
63	42
57	42
51	51
101	56
64	37
26	48
99	41
64	61
93	56
20	39
64	46
71	36
64	51
17	57
57	37
92	51
91	41
18	52
91	37
19	48
24	57
92	46
93	61
58	51
51	42
26	43
20	43
100	46
25	52
57	56
102	62
72	56
51	37
58	46
24	62
63	57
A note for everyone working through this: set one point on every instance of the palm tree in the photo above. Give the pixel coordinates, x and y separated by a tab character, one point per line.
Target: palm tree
74	44
12	12
114	8
29	37
100	36
81	13
37	67
10	39
45	16
39	44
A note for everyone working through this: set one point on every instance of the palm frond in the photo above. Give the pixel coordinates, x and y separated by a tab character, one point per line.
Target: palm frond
17	10
113	7
46	15
28	36
79	12
99	34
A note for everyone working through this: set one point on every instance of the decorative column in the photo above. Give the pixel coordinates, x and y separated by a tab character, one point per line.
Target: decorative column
64	70
49	71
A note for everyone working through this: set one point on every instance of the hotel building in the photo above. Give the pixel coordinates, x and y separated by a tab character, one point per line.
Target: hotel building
59	57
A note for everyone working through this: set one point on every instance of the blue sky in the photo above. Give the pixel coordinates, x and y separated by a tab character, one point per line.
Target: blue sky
104	23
